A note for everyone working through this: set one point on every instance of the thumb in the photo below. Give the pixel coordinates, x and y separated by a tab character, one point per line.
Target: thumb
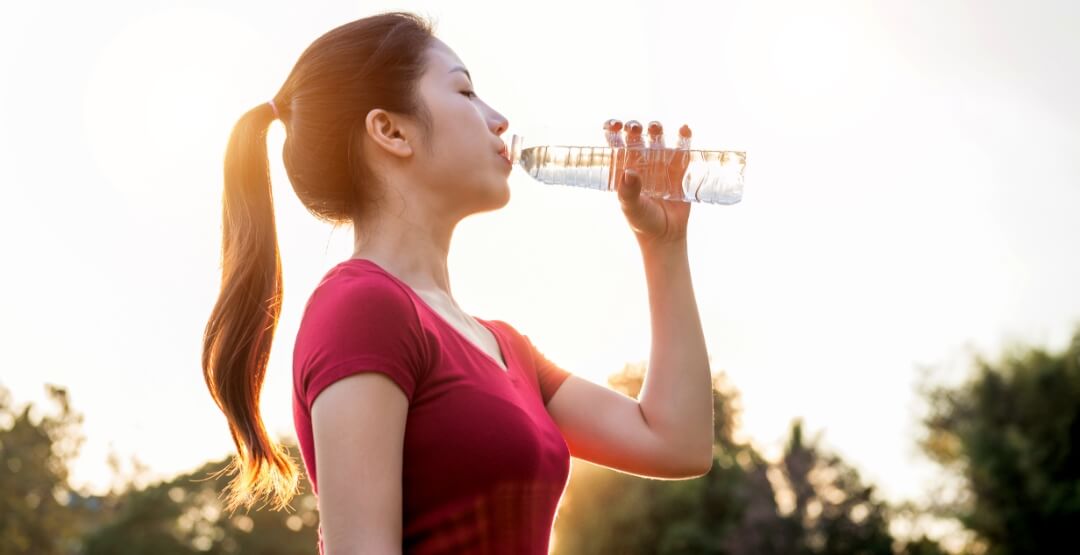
630	188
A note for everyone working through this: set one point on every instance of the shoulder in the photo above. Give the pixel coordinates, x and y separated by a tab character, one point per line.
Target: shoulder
516	338
352	301
357	315
505	328
348	287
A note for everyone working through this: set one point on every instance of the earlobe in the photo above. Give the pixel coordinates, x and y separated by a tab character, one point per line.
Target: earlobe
385	131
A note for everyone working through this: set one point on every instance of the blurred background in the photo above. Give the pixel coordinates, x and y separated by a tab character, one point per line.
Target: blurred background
891	312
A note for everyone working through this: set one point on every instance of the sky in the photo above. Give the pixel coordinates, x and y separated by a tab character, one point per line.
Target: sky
910	199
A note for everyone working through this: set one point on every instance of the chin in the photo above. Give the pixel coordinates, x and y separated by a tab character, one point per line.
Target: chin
499	197
502	199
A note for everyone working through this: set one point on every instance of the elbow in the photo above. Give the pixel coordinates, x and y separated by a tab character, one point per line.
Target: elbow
691	461
707	468
701	469
684	468
701	465
684	458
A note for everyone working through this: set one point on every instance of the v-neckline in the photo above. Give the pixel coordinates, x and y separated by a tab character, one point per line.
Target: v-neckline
498	339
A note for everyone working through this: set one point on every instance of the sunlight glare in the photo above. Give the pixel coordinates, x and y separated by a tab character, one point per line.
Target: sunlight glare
155	75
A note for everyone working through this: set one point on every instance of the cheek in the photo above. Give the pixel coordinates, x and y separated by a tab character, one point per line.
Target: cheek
461	145
452	138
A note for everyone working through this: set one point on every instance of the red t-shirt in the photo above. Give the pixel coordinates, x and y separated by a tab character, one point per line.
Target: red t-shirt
484	465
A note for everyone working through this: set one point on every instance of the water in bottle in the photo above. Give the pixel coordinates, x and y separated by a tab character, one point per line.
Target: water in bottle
680	173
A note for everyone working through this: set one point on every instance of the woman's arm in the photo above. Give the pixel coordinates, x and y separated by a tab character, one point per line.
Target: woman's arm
676	398
667	432
358	424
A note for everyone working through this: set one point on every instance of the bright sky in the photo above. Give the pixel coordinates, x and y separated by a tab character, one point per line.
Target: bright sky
911	195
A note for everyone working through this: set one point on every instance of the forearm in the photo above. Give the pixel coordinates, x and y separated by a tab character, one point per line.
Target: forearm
676	398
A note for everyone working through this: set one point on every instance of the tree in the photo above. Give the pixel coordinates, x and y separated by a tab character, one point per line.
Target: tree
734	509
34	493
604	511
184	515
833	511
41	514
1011	433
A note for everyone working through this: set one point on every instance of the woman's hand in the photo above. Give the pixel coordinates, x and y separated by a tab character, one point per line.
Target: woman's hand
655	221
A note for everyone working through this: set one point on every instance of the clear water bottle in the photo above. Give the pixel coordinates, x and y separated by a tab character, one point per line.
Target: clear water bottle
680	173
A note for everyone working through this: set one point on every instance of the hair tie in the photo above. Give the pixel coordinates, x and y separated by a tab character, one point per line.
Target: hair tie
274	108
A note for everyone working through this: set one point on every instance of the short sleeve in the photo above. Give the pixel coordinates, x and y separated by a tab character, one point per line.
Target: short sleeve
358	323
549	375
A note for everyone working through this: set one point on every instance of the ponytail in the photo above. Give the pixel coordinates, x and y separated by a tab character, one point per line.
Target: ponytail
374	62
236	342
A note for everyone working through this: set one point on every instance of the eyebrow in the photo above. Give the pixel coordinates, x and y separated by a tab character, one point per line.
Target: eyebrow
463	70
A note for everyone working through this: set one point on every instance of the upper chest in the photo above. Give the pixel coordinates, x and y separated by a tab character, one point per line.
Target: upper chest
476	334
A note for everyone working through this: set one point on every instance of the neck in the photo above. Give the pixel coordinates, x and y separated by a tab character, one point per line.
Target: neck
415	250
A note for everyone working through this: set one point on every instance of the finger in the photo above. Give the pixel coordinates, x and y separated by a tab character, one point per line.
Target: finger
615	169
633	134
638	164
618	157
671	174
630	191
681	162
677	170
628	156
656	134
613	133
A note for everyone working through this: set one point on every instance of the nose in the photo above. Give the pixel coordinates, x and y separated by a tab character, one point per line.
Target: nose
500	124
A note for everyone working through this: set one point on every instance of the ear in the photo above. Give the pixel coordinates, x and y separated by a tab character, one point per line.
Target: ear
387	131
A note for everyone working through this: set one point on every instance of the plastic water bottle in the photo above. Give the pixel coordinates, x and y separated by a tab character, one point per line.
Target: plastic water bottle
680	173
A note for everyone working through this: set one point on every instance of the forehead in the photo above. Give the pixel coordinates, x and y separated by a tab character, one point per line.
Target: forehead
443	63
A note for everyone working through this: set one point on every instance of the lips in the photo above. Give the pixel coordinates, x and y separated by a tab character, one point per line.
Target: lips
504	153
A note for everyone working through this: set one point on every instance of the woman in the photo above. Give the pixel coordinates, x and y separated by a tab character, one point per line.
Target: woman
424	429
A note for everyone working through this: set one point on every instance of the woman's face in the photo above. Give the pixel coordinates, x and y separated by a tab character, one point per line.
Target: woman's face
460	161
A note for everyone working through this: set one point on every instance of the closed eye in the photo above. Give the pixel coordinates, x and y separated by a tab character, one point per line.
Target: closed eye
470	94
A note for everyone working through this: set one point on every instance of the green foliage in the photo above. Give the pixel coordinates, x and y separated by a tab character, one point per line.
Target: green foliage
41	515
1012	434
834	511
733	510
185	516
34	454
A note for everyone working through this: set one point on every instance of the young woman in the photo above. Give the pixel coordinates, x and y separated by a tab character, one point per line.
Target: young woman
424	429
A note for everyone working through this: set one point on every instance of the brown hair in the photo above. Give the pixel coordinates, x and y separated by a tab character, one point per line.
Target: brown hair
370	63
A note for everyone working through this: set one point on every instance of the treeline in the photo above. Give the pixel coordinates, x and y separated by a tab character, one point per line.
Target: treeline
1010	435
